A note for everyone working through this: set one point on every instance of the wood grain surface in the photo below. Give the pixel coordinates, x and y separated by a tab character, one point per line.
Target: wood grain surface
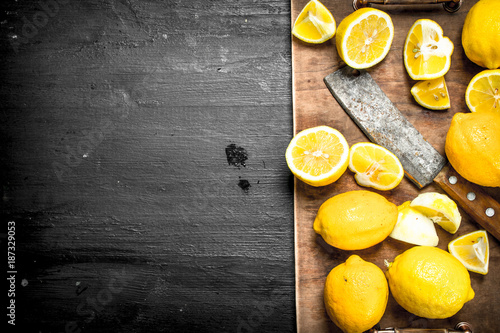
313	105
117	121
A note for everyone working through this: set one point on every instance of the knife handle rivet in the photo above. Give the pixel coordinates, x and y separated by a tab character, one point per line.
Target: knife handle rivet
453	180
489	212
471	196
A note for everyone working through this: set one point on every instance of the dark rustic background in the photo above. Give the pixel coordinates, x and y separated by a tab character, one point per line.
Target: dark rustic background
142	162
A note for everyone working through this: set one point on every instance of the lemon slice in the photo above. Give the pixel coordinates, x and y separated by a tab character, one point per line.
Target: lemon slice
364	37
315	24
483	92
375	166
472	250
414	227
440	209
427	54
318	156
432	94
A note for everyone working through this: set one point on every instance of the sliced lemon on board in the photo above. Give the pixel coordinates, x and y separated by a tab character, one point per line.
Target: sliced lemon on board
375	166
440	209
318	156
483	91
432	94
472	250
414	227
315	24
427	53
364	37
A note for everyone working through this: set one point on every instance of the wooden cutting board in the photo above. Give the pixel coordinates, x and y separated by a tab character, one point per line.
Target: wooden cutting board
313	105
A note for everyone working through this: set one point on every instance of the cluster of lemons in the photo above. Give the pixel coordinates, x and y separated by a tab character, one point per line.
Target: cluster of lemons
363	39
425	280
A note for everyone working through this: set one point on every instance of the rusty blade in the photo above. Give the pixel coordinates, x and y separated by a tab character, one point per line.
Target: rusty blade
380	120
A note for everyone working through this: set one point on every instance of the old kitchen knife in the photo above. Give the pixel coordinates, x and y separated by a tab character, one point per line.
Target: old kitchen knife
380	120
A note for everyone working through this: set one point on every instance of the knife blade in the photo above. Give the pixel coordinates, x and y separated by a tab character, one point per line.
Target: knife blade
380	120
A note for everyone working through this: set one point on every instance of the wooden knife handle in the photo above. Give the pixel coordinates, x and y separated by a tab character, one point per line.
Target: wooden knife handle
472	198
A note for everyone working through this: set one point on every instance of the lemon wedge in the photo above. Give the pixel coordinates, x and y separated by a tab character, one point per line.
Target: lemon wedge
375	166
483	92
318	156
427	53
414	227
315	24
364	37
432	94
440	209
472	250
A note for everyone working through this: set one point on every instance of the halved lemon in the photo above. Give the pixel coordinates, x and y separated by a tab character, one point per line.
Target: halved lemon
364	37
432	94
414	227
318	156
375	166
315	24
440	209
427	53
483	91
472	250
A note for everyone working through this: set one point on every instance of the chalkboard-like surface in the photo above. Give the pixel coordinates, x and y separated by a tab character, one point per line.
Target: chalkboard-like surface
130	215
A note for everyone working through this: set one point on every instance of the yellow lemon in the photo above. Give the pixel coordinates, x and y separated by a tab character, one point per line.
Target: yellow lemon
355	220
483	92
472	250
355	295
414	227
440	209
318	156
432	94
473	147
481	34
315	24
427	53
429	282
375	166
364	37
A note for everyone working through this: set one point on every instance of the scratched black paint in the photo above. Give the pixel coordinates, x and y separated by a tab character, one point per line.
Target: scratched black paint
236	156
203	252
244	184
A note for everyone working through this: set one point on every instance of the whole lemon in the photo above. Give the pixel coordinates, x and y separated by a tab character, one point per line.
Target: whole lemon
481	34
356	295
355	220
429	282
473	147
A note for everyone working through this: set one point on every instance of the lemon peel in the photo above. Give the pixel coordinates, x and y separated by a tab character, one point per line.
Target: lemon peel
440	209
414	227
375	166
472	250
432	94
315	24
427	53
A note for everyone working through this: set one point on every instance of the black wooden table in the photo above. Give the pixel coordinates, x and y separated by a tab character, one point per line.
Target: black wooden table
144	185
